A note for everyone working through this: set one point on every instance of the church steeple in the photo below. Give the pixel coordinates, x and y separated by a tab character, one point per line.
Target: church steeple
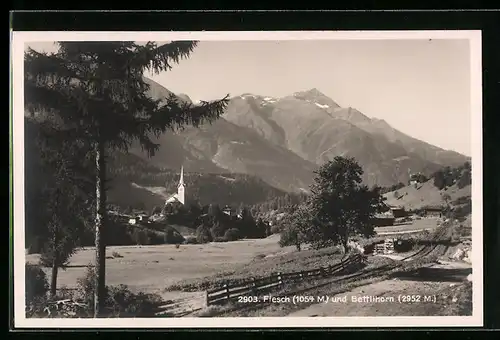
181	180
181	187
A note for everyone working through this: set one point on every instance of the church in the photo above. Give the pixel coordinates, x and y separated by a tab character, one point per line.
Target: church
179	197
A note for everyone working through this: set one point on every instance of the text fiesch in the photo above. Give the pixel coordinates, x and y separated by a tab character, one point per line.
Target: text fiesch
312	299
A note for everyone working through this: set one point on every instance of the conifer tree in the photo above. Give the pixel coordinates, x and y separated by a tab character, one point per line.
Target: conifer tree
59	202
97	94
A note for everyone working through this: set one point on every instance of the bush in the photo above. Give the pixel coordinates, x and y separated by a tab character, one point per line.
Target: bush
203	235
461	212
120	301
220	239
276	229
462	200
85	286
36	283
140	237
172	236
191	240
232	234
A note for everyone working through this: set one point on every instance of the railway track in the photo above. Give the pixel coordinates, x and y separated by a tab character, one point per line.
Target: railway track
440	235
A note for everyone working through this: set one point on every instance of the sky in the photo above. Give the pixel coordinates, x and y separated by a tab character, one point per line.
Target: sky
420	87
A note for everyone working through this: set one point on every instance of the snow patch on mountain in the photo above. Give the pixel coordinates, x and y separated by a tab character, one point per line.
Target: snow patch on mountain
322	106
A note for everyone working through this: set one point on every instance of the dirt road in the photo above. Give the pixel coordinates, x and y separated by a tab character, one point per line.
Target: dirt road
426	292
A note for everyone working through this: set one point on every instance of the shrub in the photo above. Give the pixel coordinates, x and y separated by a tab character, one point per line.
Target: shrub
461	212
465	179
276	229
140	237
232	234
120	301
462	200
172	236
191	240
36	283
203	235
86	285
220	239
154	238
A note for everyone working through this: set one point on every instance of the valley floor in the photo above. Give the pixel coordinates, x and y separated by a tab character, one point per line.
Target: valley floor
153	268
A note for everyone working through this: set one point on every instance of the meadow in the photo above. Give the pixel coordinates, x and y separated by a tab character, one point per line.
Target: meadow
168	270
153	268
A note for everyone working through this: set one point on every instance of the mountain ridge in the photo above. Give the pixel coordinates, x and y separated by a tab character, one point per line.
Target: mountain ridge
284	140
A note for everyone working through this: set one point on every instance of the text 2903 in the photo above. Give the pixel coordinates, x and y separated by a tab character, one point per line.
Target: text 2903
248	299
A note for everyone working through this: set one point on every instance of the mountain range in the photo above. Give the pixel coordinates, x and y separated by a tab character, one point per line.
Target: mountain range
283	140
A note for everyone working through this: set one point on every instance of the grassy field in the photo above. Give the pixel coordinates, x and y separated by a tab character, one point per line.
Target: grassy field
262	266
153	268
426	195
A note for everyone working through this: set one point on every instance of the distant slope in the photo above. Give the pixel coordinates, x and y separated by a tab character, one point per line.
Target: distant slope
139	184
224	147
426	195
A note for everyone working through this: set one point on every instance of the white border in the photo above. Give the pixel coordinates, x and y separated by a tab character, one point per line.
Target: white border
17	53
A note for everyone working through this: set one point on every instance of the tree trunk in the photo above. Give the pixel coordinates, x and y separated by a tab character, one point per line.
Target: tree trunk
55	264
346	247
53	281
100	222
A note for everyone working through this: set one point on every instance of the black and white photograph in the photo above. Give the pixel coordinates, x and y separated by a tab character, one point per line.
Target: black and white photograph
247	179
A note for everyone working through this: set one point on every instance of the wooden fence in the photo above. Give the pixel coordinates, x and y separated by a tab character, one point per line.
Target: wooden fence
256	286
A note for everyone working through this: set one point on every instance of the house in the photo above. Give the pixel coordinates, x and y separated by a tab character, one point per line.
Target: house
416	179
156	217
142	218
398	212
433	211
228	210
383	221
395	211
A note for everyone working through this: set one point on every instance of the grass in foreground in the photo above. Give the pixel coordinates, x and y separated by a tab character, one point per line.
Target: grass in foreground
378	269
339	284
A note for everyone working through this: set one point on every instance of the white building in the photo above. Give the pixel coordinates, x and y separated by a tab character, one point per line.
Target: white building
178	197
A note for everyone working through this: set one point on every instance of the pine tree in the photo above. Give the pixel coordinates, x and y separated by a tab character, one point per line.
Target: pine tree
247	224
97	94
60	200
